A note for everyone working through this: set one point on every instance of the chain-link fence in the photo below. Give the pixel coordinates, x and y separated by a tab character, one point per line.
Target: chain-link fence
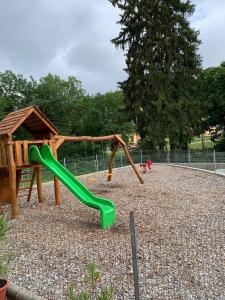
207	160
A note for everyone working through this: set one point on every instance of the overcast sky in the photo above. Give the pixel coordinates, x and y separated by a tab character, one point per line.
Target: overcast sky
72	37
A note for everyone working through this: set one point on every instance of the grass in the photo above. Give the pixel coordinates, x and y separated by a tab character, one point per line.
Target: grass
196	143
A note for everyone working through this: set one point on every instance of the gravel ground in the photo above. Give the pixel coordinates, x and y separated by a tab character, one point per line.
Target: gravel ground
180	235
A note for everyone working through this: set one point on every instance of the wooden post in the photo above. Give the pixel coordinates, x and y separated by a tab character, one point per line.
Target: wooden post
31	185
116	145
132	163
56	180
12	181
39	184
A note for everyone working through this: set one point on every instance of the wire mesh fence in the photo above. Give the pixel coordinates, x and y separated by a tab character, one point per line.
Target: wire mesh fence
208	160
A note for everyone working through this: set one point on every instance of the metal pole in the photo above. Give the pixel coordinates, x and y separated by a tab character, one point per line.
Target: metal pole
168	156
64	162
189	157
85	151
134	255
93	149
96	162
75	169
214	159
121	159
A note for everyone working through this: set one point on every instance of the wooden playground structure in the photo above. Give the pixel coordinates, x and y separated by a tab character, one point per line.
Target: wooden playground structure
14	155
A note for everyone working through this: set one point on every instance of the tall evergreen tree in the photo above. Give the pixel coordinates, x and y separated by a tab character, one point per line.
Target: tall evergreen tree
162	66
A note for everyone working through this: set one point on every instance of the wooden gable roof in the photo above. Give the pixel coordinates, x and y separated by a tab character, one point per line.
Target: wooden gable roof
31	118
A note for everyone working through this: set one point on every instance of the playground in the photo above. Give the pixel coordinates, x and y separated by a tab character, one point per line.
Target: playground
54	236
180	237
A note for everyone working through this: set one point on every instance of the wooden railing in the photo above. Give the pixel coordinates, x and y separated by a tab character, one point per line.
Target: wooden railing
20	151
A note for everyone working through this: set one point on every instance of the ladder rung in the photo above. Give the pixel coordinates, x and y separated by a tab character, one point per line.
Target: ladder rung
25	188
24	195
25	180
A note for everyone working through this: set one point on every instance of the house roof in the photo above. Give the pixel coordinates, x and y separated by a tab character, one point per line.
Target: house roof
31	118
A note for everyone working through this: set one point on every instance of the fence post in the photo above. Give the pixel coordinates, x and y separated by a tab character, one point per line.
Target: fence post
189	157
64	162
75	169
96	162
121	159
134	255
141	156
214	159
168	156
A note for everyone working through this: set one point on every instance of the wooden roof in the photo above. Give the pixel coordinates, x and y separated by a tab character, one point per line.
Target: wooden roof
29	117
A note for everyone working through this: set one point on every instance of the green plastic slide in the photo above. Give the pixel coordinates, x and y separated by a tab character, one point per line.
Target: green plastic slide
106	207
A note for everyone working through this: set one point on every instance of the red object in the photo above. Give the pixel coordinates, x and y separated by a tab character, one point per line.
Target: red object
3	288
146	165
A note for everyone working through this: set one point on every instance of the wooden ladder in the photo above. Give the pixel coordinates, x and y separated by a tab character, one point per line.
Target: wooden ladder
22	191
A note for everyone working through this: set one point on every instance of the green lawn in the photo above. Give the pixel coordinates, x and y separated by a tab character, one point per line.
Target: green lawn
196	143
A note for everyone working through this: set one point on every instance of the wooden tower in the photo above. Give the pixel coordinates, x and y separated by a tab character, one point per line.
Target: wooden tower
14	156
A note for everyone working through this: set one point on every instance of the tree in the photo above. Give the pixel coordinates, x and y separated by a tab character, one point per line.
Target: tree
211	95
2	107
101	114
16	91
162	66
55	98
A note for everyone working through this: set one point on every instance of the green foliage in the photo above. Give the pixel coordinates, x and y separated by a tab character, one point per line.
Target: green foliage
4	228
220	145
92	278
68	107
72	295
211	95
162	67
106	294
93	275
55	98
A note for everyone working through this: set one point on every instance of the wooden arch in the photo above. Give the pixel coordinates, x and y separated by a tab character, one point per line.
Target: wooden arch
117	140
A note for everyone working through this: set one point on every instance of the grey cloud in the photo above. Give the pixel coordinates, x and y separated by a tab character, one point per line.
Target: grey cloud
210	21
72	37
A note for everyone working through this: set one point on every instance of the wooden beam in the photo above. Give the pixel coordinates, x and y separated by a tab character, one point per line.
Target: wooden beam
111	161
59	142
3	153
25	153
86	138
18	153
12	183
120	140
132	163
39	185
56	180
31	184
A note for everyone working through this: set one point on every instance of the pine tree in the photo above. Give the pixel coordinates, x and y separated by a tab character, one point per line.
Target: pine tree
162	66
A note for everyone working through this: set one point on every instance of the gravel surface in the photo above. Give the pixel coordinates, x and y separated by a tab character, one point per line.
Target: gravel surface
180	235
